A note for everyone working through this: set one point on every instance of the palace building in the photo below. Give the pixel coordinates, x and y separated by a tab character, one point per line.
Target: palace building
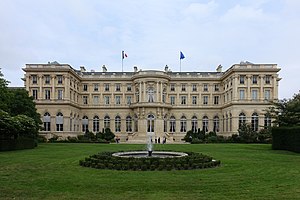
162	103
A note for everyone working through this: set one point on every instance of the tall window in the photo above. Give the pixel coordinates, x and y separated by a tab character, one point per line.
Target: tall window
254	79
242	94
59	79
47	94
85	124
254	122
118	87
165	123
128	124
194	124
205	100
47	121
34	79
254	95
226	122
96	127
118	124
106	122
150	95
150	123
267	94
216	100
267	121
183	100
128	100
205	87
194	88
172	87
85	99
106	87
47	79
183	124
268	79
35	94
96	100
59	94
216	87
183	87
242	119
172	124
128	87
118	100
205	124
136	123
96	87
242	79
59	122
216	124
106	100
194	100
172	100
230	122
85	87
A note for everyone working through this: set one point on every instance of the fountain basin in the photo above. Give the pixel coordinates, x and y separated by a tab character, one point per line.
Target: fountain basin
141	154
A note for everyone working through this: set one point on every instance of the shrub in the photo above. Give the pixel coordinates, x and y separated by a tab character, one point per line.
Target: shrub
286	138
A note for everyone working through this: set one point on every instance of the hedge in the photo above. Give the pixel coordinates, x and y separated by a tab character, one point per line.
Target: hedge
17	144
286	138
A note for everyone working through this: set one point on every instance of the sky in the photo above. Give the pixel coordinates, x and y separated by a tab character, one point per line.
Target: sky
93	33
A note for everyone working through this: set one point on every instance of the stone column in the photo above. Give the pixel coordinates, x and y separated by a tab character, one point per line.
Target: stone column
52	97
40	96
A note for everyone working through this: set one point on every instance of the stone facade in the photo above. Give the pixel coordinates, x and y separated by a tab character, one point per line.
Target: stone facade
161	103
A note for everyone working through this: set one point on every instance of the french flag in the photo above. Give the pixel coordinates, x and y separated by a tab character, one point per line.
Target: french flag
124	55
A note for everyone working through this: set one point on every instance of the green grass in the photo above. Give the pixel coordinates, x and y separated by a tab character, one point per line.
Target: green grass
51	171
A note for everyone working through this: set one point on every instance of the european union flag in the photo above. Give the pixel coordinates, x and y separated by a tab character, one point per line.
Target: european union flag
181	55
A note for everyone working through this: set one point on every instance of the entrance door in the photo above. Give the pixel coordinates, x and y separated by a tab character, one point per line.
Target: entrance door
150	123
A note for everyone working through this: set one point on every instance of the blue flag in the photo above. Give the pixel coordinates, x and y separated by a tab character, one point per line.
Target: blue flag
181	55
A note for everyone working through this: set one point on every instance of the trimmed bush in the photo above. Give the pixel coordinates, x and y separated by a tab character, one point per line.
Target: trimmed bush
105	160
286	138
17	144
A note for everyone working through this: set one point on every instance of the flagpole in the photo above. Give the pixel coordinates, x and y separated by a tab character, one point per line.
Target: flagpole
180	65
122	57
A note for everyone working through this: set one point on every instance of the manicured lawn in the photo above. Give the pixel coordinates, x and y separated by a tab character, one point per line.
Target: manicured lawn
51	171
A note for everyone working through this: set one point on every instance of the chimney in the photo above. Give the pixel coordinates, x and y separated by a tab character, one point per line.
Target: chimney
135	68
104	69
82	68
166	68
219	68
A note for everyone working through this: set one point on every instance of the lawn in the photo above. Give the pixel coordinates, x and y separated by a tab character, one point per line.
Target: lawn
51	171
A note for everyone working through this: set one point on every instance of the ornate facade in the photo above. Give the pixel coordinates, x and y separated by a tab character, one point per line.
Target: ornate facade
163	103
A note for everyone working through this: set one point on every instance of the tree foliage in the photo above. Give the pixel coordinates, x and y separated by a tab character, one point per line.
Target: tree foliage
18	115
286	112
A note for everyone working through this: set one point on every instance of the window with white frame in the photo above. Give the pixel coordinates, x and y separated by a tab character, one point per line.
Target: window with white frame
47	94
34	79
172	87
242	119
216	100
106	100
118	124
254	79
254	94
205	100
85	124
106	122
183	124
267	94
128	124
47	121
96	124
59	122
194	124
128	87
205	124
96	100
254	122
242	79
242	94
216	122
96	87
205	87
47	79
172	124
183	100
194	100
85	100
128	100
35	94
118	100
172	100
59	94
183	87
194	87
59	79
118	87
106	87
268	79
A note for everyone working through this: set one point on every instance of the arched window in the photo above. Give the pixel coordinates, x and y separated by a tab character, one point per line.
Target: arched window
242	119
150	123
230	122
59	122
128	124
194	124
254	122
150	95
118	124
267	121
165	123
136	123
183	124
71	122
106	122
226	122
47	121
216	124
96	127
205	124
85	124
172	124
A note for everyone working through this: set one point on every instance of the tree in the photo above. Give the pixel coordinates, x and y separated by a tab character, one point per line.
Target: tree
286	112
247	134
4	93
